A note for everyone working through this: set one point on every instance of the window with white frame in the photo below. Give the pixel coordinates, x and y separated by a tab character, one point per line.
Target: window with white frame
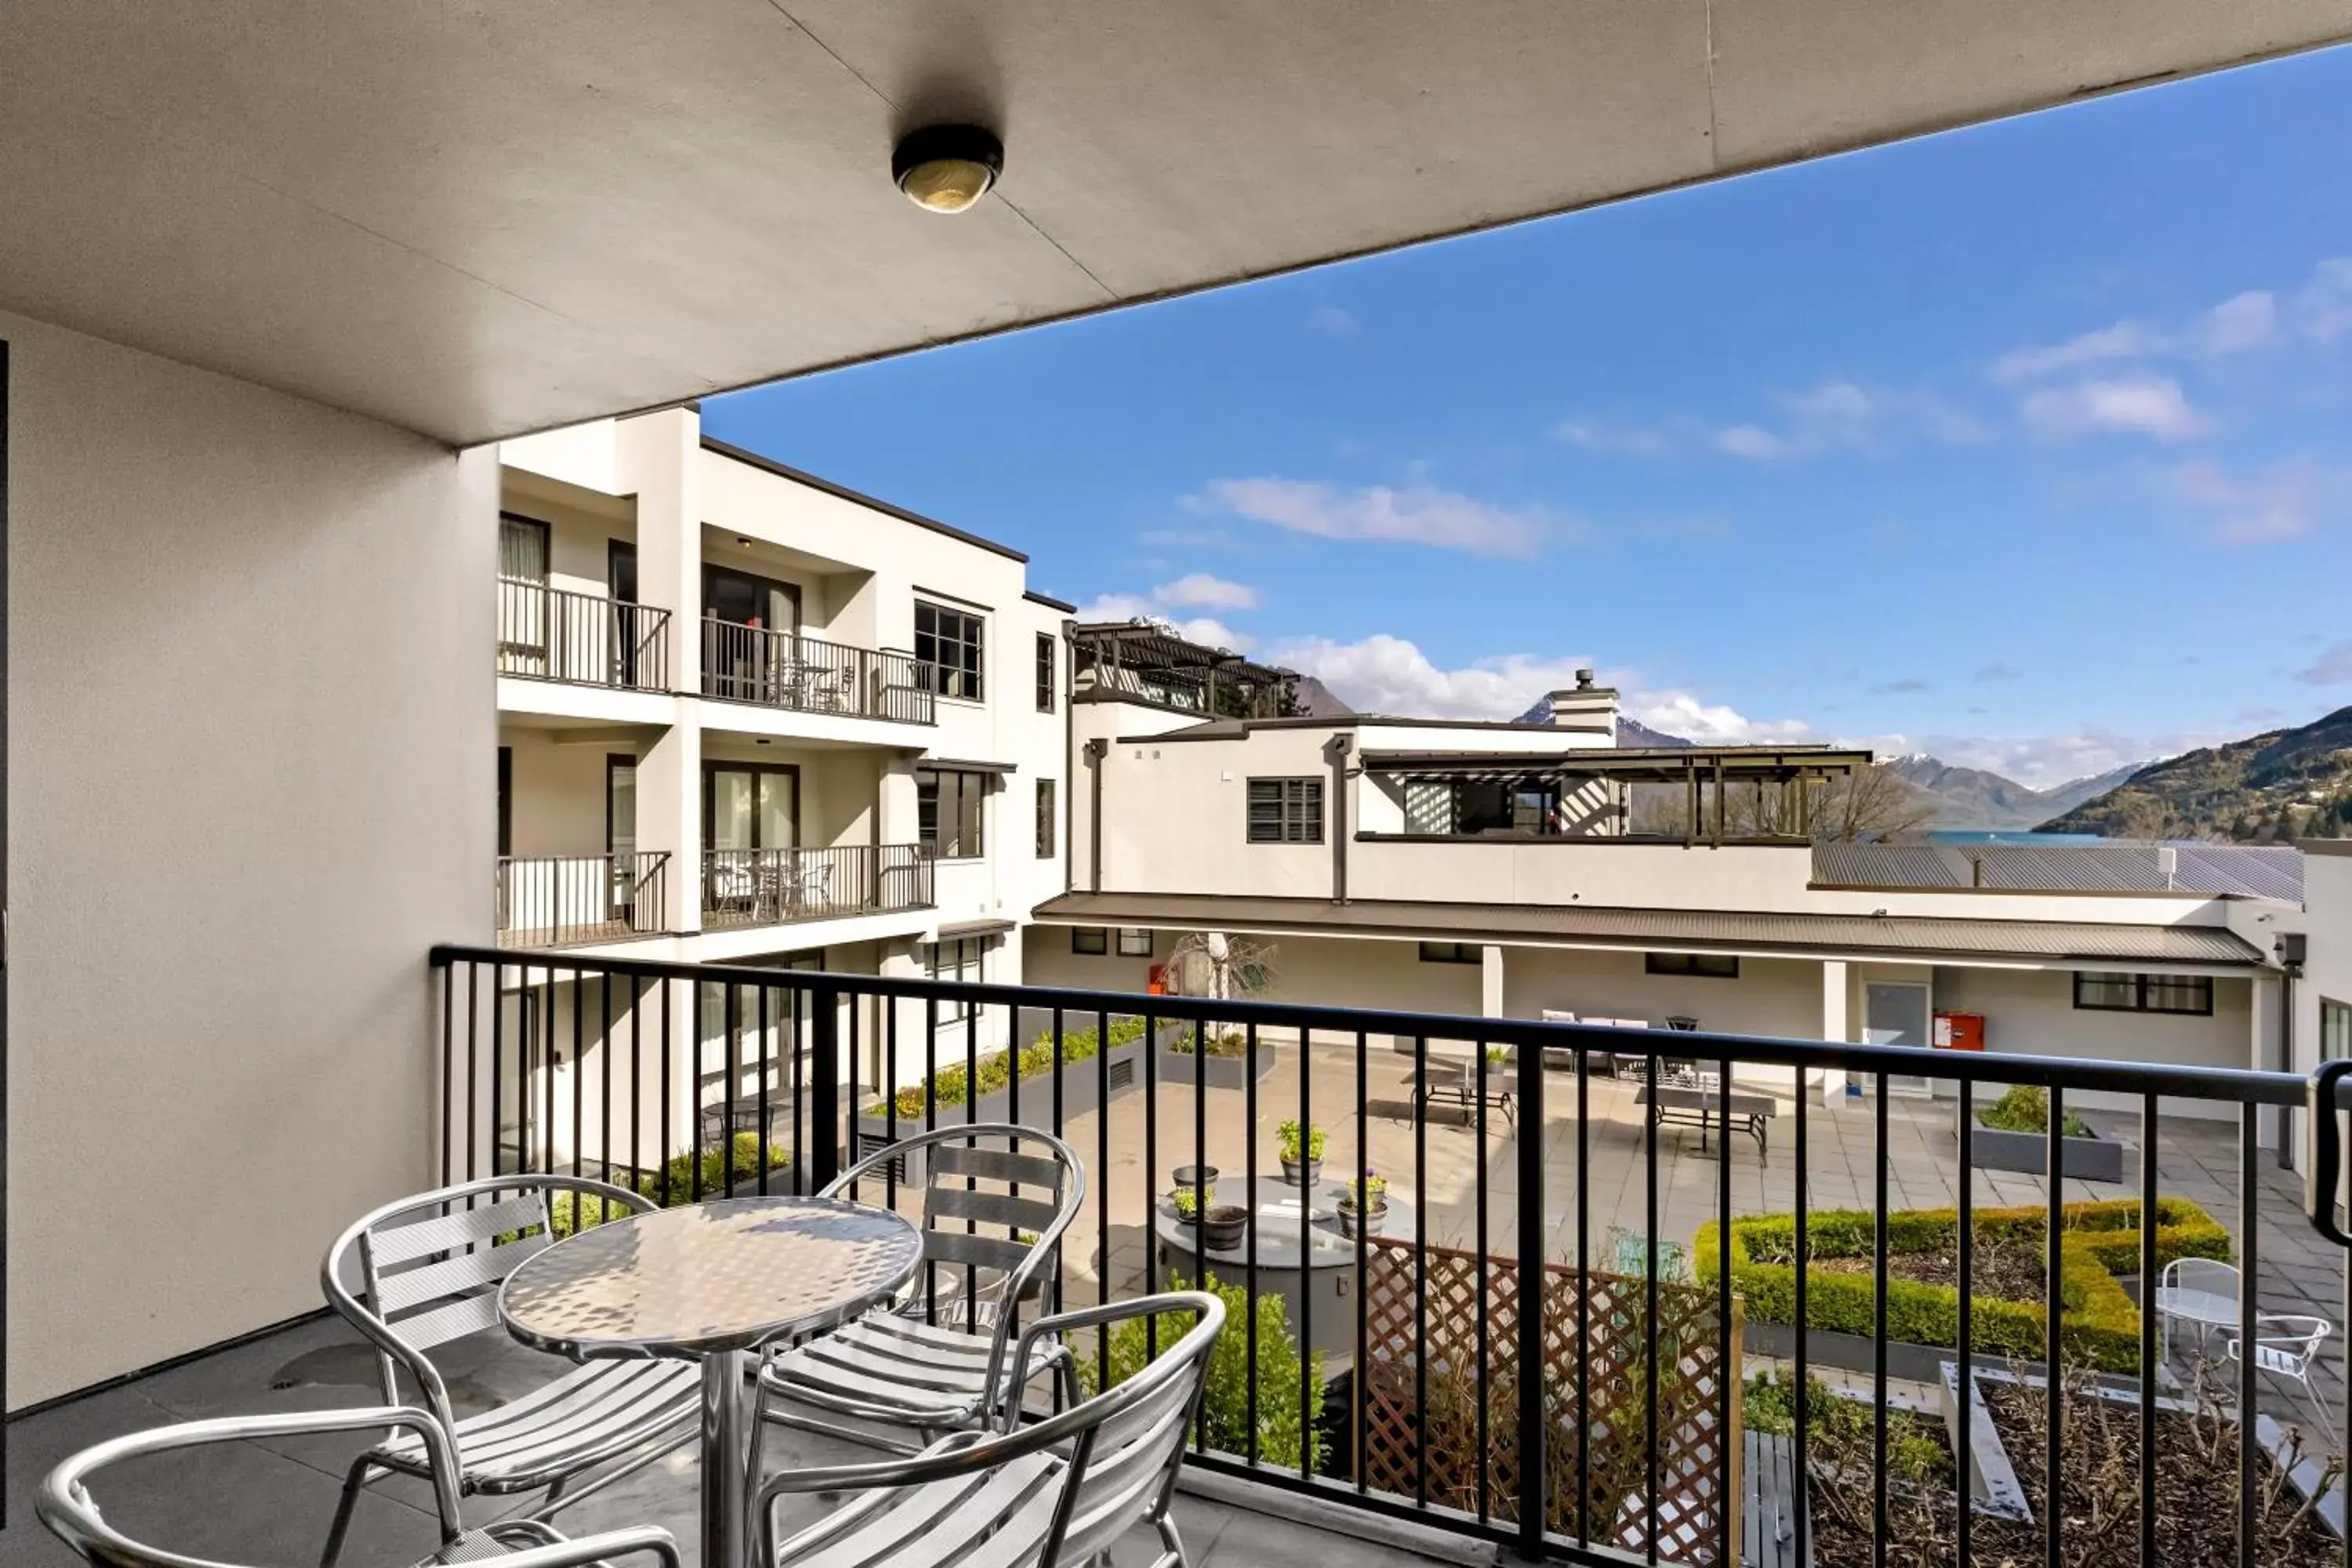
959	958
1134	942
948	649
1286	811
947	812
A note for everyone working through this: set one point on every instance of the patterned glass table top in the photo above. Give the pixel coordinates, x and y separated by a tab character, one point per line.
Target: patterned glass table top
722	1275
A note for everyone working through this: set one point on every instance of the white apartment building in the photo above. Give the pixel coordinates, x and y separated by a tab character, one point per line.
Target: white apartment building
747	716
1532	870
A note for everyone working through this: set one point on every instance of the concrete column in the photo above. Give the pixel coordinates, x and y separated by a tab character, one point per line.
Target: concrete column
895	820
1490	982
1835	991
659	460
669	817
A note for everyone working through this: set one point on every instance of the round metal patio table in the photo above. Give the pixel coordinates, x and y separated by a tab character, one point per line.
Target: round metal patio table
713	1282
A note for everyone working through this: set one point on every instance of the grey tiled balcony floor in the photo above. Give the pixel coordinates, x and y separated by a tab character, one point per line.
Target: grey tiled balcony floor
268	1504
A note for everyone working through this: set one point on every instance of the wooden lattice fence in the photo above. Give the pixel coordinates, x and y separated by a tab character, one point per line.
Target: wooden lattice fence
1400	1433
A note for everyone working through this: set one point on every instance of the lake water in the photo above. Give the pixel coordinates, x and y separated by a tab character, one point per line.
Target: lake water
2040	840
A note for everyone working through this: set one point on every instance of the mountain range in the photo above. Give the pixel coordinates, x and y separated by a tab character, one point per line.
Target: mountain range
2288	783
1976	800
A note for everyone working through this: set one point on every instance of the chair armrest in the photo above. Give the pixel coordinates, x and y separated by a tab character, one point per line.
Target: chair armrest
948	1456
64	1503
592	1549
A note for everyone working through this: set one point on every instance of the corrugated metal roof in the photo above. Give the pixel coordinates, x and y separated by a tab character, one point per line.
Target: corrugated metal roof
1918	937
2244	870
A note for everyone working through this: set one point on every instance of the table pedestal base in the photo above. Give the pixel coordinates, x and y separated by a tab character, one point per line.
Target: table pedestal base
725	1517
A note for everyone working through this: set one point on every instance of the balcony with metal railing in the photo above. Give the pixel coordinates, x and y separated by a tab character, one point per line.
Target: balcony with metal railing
563	901
1779	1324
781	887
809	675
582	639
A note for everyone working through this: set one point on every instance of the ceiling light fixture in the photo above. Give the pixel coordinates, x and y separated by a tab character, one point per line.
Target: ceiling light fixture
947	168
744	542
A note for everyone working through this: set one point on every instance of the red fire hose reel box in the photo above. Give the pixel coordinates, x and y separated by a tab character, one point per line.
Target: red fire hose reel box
1959	1032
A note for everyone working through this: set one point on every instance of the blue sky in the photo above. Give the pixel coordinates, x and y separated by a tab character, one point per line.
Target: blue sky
2025	445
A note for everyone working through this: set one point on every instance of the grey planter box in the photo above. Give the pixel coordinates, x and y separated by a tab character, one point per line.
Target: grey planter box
2085	1159
1081	1091
1179	1067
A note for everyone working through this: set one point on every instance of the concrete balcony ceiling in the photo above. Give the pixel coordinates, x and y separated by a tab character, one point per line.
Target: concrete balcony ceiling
477	219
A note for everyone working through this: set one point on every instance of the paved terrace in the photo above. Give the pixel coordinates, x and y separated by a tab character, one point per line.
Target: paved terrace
2198	1160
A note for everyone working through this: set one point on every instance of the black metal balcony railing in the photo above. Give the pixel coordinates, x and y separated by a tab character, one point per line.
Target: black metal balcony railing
1396	1376
785	669
776	887
557	900
586	639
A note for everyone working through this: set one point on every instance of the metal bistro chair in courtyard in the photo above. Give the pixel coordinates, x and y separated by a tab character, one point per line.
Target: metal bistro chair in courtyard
66	1506
938	1360
425	1270
1061	1489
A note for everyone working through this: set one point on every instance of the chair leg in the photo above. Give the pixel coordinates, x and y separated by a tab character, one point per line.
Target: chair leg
352	1482
1170	1539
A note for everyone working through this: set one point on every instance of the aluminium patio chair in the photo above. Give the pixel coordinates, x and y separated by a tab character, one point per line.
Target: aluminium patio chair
66	1506
936	1360
2289	1352
2200	1291
1060	1490
424	1270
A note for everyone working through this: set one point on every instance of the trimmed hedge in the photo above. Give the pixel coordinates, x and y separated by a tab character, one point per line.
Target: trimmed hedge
2098	1324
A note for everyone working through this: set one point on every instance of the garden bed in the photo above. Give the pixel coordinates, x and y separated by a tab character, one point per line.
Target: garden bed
2098	1324
2197	1483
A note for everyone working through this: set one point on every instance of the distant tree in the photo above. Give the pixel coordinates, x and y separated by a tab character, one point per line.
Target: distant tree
1870	802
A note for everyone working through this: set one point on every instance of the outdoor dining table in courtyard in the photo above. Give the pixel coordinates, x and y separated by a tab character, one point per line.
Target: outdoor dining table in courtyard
714	1282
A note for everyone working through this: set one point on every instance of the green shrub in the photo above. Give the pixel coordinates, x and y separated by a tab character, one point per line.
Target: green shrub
2098	1324
2026	1108
1286	1435
1224	1043
951	1086
1769	1405
568	1211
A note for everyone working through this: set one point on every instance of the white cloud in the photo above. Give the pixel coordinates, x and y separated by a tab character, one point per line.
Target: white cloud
1203	629
2124	341
2286	501
1838	414
1385	674
1418	513
1199	591
1629	440
1334	323
2332	668
1751	441
2145	405
2044	761
1717	723
2318	311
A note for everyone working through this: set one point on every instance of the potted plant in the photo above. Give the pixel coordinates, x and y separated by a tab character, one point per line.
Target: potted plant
1301	1149
1364	1205
2012	1133
1195	1185
1186	1202
1223	1227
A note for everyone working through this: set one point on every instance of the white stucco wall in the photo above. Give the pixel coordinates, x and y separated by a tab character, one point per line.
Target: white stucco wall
251	782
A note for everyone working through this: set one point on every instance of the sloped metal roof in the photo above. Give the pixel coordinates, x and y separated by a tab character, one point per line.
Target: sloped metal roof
2183	866
1916	937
